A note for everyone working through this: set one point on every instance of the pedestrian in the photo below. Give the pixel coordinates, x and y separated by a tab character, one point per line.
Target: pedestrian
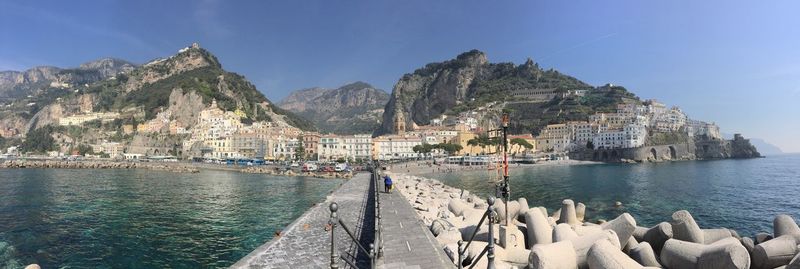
387	182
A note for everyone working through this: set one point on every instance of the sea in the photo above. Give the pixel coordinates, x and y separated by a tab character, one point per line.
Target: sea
740	194
62	218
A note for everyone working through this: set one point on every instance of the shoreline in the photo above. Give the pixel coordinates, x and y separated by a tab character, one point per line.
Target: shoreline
176	167
425	168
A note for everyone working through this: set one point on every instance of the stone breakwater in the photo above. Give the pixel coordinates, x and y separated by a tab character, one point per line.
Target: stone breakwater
563	239
179	168
284	172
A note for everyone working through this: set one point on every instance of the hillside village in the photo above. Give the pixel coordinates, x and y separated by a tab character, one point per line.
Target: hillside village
192	127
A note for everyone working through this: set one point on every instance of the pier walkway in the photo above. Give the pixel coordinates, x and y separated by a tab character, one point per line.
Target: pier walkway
407	242
306	244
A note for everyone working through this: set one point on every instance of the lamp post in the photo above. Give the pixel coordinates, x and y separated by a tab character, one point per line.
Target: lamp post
506	188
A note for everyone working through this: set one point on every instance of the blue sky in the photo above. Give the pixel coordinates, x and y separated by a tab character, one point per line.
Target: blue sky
733	63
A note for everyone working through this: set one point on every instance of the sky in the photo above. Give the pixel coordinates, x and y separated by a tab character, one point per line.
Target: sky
733	63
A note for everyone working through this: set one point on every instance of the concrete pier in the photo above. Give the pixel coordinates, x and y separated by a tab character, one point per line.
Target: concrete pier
306	244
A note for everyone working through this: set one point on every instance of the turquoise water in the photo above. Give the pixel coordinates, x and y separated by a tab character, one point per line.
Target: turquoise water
744	195
144	219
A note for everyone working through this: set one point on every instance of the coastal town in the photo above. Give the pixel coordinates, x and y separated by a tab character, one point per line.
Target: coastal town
221	135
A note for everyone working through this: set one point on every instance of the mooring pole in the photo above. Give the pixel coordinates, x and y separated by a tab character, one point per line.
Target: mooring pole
506	188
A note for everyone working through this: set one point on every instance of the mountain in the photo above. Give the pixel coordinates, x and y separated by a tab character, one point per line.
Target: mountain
470	81
170	90
15	84
350	109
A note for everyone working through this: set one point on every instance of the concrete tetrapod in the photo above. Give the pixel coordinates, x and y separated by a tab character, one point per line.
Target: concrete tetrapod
500	208
684	227
563	232
643	254
723	254
458	207
580	211
568	213
657	235
783	225
583	243
558	255
623	226
604	255
776	252
538	229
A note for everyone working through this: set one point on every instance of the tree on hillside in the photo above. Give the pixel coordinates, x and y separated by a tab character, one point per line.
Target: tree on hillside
521	143
451	149
39	140
300	150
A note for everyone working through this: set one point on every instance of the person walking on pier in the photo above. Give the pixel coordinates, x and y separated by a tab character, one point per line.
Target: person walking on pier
387	182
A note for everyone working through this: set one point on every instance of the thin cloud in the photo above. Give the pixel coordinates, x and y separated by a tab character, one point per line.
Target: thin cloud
59	19
206	15
582	44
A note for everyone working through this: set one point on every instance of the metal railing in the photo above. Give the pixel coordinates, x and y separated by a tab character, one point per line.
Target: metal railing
489	249
373	253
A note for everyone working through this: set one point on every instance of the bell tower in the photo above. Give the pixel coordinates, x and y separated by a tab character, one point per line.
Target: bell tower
399	122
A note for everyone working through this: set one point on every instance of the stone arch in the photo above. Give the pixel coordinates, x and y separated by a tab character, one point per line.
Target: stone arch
672	154
614	155
605	155
654	153
596	156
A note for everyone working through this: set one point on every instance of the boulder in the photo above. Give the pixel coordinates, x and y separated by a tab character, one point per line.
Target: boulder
684	227
643	254
776	252
604	255
623	226
563	232
583	243
580	211
558	255
538	229
783	225
727	253
568	213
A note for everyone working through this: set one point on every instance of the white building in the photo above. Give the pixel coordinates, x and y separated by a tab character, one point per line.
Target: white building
395	147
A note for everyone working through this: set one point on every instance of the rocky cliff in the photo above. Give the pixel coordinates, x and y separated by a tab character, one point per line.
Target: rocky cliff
470	81
15	84
175	89
350	109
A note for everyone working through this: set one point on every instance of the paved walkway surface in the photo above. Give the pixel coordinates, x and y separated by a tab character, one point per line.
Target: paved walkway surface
408	243
306	244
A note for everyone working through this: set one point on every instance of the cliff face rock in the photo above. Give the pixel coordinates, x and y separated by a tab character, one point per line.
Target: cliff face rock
352	108
15	84
722	149
467	80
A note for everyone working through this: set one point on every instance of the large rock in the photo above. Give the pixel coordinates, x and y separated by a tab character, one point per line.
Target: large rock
558	255
538	229
623	226
727	253
568	213
604	255
776	252
783	225
684	227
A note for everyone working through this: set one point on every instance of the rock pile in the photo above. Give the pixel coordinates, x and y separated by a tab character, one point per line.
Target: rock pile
283	172
563	239
180	168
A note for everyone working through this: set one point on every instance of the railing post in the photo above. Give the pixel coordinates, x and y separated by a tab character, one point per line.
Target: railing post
460	254
332	222
372	255
490	252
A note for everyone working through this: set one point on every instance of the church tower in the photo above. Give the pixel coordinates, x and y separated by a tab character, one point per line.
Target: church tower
399	122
